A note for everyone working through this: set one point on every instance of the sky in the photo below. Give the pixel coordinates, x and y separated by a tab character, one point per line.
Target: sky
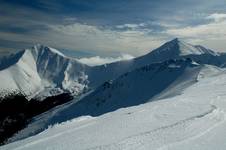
111	27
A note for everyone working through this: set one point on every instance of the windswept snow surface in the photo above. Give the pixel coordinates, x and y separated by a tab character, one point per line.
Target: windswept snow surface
195	119
124	91
172	98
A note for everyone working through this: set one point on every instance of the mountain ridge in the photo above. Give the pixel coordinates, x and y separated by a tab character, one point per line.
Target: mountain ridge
169	50
163	73
39	66
134	88
59	73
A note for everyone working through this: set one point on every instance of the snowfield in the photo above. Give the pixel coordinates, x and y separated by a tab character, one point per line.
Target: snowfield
173	98
195	119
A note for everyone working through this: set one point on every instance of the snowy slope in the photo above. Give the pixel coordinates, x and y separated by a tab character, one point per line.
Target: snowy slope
174	49
21	74
138	86
163	73
195	119
148	83
61	71
44	71
41	70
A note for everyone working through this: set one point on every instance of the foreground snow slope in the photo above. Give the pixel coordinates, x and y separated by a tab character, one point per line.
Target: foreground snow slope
43	71
134	88
195	120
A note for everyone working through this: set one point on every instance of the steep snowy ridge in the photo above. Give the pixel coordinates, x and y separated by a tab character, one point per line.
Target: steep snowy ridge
138	86
47	71
42	70
61	71
143	85
10	59
181	48
175	49
194	120
21	75
204	50
174	94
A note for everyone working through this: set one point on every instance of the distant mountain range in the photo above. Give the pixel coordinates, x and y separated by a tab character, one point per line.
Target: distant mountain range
47	78
43	71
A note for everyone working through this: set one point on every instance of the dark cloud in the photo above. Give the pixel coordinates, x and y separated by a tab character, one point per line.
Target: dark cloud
34	18
122	11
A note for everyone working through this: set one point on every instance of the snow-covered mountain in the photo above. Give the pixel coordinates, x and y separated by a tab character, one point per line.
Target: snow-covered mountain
44	71
191	109
139	86
148	83
175	49
158	100
41	70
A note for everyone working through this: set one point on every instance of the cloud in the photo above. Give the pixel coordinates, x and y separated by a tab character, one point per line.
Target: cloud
207	34
97	60
78	36
211	30
88	37
113	26
217	17
130	26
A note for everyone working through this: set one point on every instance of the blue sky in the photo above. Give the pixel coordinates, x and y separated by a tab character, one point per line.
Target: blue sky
109	27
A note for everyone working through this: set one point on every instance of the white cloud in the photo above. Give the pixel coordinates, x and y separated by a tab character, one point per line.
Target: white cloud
135	41
131	26
97	60
214	29
205	33
87	37
217	17
211	30
128	37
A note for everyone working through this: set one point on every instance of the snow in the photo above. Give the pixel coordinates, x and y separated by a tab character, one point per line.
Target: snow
193	120
43	48
175	49
47	70
123	92
42	71
22	76
159	101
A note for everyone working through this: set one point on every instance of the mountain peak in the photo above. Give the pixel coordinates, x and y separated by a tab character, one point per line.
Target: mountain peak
176	40
181	48
42	48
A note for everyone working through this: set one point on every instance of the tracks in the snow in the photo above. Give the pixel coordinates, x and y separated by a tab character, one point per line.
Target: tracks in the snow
180	131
